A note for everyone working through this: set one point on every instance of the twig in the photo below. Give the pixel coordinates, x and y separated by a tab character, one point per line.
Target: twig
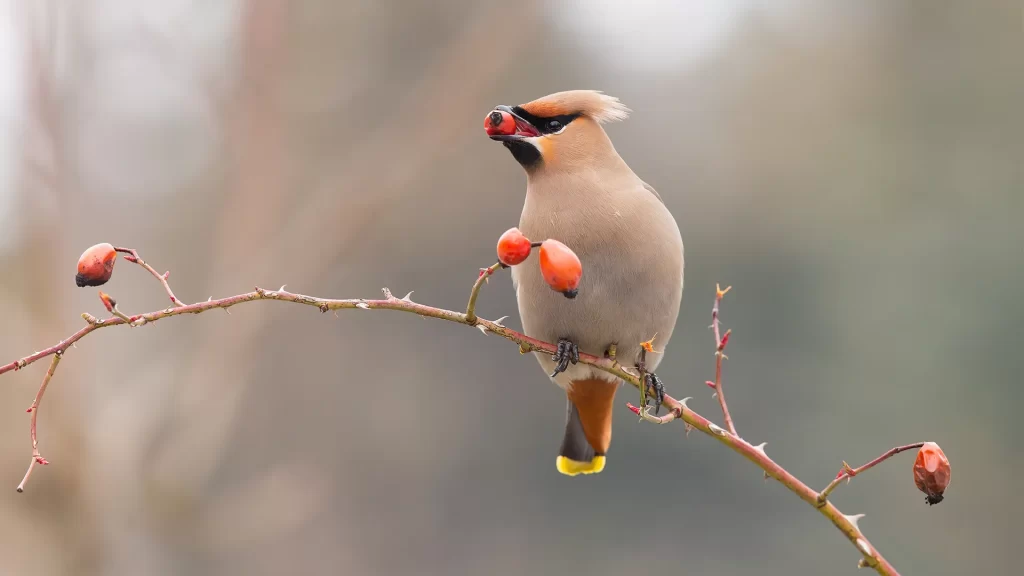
132	255
677	410
847	473
37	458
720	343
485	273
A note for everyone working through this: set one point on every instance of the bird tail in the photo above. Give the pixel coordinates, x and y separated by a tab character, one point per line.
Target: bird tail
588	427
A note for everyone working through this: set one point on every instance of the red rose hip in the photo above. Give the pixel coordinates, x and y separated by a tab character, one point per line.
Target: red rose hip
96	265
931	472
560	267
499	123
513	247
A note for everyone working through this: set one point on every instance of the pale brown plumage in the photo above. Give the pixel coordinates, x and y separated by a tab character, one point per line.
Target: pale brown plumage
581	192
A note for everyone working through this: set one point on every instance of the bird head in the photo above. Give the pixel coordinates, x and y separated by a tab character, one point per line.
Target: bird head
558	131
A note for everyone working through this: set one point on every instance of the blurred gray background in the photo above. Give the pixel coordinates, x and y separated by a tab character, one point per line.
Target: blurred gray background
853	169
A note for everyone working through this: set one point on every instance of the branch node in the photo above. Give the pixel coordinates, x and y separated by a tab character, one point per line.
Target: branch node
387	293
363	305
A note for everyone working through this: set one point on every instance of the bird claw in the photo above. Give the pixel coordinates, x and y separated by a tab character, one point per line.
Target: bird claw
567	352
657	390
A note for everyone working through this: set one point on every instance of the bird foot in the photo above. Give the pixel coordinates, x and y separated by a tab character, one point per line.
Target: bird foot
655	390
567	352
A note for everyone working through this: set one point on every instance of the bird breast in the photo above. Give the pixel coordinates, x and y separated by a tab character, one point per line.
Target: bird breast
632	256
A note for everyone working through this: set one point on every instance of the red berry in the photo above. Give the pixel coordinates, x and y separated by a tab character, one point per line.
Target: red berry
513	247
931	472
498	123
561	267
96	265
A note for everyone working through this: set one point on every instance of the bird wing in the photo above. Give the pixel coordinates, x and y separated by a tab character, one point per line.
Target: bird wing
652	191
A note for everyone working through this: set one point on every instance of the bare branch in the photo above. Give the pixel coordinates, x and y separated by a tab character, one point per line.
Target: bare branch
37	458
847	473
132	256
678	410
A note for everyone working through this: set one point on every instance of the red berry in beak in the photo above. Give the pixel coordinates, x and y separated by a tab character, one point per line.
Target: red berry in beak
499	123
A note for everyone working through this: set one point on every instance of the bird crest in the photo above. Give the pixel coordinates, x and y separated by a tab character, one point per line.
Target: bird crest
598	106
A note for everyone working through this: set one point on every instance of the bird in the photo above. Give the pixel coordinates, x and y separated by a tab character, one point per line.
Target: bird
581	192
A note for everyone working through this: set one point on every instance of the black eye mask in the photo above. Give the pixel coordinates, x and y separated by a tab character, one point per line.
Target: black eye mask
548	124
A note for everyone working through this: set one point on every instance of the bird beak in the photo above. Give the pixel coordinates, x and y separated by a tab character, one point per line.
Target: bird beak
504	125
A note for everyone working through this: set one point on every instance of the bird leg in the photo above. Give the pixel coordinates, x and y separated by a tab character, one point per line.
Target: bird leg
657	389
567	352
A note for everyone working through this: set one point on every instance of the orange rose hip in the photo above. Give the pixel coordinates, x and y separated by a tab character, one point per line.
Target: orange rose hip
513	247
931	472
560	267
96	265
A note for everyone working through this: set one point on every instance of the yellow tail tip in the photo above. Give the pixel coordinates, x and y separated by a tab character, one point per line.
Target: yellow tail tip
573	467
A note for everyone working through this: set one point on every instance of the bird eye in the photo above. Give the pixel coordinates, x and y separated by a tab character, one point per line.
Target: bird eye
554	125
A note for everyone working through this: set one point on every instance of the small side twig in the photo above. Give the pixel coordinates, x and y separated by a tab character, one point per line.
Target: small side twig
485	273
847	472
37	458
132	255
721	341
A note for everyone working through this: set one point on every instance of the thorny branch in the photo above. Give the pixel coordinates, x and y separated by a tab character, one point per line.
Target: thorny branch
132	256
678	410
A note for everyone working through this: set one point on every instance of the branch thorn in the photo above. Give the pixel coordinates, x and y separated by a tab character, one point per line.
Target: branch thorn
854	519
